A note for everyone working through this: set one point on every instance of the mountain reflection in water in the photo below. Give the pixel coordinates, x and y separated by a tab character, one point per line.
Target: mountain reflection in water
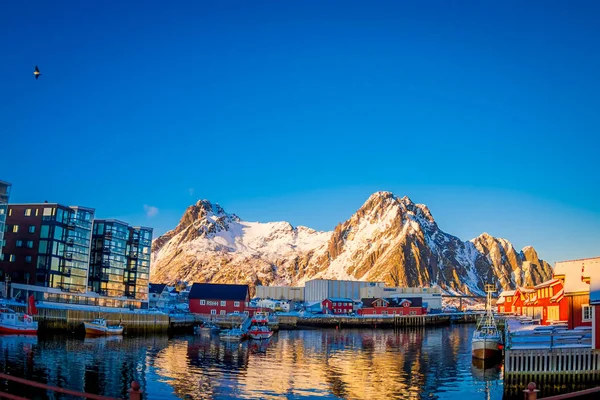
432	363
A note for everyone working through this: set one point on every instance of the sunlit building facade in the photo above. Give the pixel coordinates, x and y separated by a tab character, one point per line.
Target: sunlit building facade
120	260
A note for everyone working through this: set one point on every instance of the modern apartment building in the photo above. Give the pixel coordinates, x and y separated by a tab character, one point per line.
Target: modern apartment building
120	260
61	254
48	245
4	195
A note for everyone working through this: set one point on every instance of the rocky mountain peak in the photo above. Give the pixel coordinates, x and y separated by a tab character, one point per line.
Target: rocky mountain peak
389	239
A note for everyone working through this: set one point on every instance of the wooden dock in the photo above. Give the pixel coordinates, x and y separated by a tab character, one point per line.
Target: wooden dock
378	321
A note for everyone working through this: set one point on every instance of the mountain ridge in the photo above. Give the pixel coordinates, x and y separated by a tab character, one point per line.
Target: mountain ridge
389	238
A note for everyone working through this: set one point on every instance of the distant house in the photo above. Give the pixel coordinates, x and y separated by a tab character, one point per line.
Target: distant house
158	295
335	305
392	306
505	301
218	299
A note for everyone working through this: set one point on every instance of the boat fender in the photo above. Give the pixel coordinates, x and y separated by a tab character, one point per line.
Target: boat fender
28	319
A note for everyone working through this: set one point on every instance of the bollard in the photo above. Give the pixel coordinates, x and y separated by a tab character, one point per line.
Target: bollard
134	392
531	392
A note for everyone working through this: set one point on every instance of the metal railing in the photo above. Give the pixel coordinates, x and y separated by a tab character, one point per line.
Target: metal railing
134	391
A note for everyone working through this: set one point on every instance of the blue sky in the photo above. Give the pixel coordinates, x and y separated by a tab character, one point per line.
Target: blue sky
485	111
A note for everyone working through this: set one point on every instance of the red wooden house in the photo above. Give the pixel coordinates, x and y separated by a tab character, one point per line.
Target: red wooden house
577	289
392	306
505	301
218	299
334	305
591	274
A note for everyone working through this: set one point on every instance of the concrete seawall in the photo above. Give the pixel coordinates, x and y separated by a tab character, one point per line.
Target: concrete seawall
365	322
71	320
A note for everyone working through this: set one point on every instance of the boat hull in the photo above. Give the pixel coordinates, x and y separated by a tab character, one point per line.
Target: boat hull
18	330
485	349
260	335
98	330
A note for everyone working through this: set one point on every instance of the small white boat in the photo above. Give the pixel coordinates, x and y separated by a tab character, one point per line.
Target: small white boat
487	340
235	334
13	322
259	327
99	327
206	328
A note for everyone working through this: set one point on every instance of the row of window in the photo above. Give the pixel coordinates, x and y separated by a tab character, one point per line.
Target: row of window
13	258
28	244
223	303
15	228
553	312
223	312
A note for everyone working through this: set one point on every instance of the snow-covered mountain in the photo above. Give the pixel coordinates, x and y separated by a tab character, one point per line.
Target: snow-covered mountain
388	239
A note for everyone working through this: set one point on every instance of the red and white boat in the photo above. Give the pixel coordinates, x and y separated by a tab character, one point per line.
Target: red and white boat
259	327
13	322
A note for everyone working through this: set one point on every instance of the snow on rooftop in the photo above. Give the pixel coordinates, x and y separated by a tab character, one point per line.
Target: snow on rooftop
574	271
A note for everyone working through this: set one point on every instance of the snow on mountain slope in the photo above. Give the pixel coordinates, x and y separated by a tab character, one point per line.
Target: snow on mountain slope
388	239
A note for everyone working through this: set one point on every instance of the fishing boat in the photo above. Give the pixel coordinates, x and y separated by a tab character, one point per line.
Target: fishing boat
13	322
259	327
486	343
206	328
234	334
99	327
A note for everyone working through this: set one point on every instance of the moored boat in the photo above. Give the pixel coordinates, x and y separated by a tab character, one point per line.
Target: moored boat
259	327
13	322
235	334
486	343
99	327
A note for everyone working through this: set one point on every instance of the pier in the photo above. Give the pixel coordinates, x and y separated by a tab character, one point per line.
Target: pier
551	356
379	321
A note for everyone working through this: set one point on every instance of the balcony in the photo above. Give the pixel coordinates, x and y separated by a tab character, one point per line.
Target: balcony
133	255
103	277
106	250
69	256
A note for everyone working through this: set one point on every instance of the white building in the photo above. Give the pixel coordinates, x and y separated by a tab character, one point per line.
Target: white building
317	290
158	296
280	292
432	296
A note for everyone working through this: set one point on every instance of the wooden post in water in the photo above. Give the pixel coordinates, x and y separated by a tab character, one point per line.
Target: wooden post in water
134	392
531	392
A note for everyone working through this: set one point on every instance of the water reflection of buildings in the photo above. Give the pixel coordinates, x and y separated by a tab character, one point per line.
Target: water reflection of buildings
103	366
347	363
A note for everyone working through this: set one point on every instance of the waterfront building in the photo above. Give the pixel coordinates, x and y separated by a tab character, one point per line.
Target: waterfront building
392	306
430	296
335	305
505	301
47	245
280	293
159	295
593	276
577	289
218	299
120	260
317	290
4	196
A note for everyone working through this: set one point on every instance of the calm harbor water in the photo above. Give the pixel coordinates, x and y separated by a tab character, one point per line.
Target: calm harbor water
432	363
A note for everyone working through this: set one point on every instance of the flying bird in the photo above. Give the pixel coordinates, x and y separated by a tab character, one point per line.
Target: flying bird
36	73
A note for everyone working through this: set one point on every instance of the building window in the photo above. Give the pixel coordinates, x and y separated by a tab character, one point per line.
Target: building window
10	212
202	302
587	313
19	243
222	312
223	303
15	228
31	228
28	212
236	304
213	312
30	244
11	258
28	259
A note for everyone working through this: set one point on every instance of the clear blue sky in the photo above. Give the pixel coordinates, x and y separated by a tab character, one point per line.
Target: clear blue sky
292	110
